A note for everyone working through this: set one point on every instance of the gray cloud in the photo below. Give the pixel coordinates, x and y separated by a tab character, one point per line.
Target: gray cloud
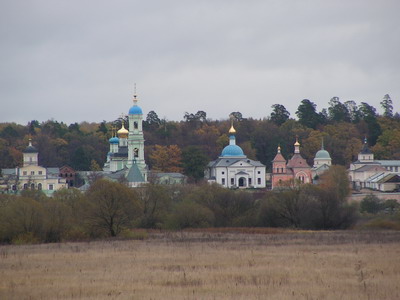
78	60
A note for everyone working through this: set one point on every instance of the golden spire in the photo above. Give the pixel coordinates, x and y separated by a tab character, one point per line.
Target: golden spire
232	129
297	145
279	148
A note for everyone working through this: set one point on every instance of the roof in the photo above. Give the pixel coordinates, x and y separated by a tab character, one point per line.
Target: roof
297	161
30	149
228	161
370	167
134	174
321	167
365	149
170	174
113	140
322	154
389	163
279	157
232	150
8	172
241	173
135	110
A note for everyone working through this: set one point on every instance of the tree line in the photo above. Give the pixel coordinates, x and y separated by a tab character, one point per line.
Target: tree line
190	143
110	209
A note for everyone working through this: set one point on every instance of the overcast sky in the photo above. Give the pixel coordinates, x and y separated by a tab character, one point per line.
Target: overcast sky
78	60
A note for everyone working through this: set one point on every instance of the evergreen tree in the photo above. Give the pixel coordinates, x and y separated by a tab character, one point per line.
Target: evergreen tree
279	115
387	106
307	114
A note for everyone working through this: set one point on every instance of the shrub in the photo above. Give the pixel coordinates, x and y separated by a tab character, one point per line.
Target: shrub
371	204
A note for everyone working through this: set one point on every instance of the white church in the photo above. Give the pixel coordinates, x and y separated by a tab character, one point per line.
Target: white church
232	169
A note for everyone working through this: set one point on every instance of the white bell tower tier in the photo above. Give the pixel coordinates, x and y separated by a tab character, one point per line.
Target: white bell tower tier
136	139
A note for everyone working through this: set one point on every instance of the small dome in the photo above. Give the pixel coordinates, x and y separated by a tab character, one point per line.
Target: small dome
123	133
322	154
114	140
135	110
232	130
232	150
30	148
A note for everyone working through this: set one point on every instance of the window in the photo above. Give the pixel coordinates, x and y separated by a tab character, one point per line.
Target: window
135	125
24	173
259	172
70	175
32	186
32	172
136	152
39	186
51	187
258	180
14	187
222	172
249	181
30	159
223	181
25	186
40	172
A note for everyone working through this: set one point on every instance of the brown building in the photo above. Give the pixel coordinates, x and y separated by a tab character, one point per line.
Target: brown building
296	169
69	174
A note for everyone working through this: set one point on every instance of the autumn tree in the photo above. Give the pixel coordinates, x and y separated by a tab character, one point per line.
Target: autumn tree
166	158
331	203
154	201
113	207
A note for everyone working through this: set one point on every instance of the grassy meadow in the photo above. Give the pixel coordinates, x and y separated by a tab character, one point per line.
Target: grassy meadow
209	264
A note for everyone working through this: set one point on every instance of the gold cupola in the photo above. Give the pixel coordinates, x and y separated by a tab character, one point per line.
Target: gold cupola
232	130
123	132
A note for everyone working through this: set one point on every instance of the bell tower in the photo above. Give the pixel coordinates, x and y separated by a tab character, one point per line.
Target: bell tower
136	139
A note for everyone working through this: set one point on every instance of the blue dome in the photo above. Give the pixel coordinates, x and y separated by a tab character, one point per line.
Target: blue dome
322	154
114	140
135	110
232	150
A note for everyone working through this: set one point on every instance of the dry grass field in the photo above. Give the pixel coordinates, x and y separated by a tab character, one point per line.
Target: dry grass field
212	264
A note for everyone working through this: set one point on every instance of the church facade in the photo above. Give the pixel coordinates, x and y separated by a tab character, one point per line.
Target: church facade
296	169
126	155
232	169
31	176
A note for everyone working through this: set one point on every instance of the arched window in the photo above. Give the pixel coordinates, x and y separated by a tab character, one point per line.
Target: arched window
39	186
32	186
135	125
136	152
25	186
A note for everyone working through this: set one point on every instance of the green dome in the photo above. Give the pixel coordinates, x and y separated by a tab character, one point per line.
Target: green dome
322	154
